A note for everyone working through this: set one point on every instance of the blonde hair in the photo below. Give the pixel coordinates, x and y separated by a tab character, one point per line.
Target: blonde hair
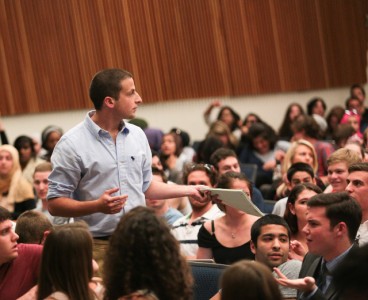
344	155
220	128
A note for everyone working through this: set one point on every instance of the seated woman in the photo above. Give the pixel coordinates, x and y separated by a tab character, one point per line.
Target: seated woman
144	256
27	156
49	137
67	266
16	193
227	239
295	216
353	119
248	280
292	112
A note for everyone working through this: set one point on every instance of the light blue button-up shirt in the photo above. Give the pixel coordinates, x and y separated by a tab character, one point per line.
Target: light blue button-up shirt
87	162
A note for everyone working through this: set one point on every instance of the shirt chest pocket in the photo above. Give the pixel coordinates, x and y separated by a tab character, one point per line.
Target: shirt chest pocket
134	169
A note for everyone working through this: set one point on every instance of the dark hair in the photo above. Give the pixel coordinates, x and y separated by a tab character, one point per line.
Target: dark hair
249	280
207	168
225	181
234	125
358	167
285	128
106	83
185	138
267	220
350	274
356	86
312	103
23	141
340	207
66	263
31	226
264	131
258	119
291	219
143	254
207	147
299	167
308	124
348	100
220	154
160	173
4	214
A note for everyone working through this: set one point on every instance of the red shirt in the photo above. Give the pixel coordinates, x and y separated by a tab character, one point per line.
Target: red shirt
19	275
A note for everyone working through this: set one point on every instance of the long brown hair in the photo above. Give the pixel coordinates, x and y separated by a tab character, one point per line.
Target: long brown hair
66	264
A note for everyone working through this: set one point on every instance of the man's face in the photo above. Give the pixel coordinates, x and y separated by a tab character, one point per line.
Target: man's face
272	245
337	174
153	203
41	184
129	100
8	242
321	238
228	164
198	177
298	178
358	188
358	93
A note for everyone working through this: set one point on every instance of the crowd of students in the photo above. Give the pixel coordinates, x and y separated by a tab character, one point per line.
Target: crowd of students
313	169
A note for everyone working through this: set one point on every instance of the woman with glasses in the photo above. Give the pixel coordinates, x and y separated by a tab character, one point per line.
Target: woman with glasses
227	239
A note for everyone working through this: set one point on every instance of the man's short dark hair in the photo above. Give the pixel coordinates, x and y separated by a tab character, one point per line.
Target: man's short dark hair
340	207
208	169
356	86
220	154
4	214
160	173
299	167
267	220
358	167
106	83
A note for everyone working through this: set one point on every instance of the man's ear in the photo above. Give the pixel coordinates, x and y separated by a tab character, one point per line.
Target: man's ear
45	234
341	229
109	102
253	247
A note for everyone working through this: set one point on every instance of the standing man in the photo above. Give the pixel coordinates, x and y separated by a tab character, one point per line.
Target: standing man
186	228
102	167
332	223
358	189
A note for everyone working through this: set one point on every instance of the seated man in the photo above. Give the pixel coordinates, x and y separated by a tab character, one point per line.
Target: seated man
32	227
161	207
296	174
270	244
332	224
186	228
19	263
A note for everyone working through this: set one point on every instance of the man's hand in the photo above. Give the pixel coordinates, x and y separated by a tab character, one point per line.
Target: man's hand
297	250
111	204
306	284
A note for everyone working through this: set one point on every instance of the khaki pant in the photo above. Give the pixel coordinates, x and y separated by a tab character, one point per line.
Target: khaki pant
99	251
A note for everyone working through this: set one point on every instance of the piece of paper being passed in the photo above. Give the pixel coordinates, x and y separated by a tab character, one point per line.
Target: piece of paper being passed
237	199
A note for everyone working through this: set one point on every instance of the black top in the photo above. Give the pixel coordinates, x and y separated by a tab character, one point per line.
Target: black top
222	254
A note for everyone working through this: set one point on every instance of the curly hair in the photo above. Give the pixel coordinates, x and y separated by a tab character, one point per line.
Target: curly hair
143	254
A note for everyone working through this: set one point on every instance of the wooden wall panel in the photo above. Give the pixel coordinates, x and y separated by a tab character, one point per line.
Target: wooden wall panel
176	48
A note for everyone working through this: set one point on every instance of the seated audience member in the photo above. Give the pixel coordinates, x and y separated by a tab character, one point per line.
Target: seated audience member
333	120
249	280
295	216
16	193
188	152
226	115
173	164
49	137
32	227
358	92
351	275
316	108
27	156
41	186
154	137
150	261
206	148
297	173
225	160
332	223
19	263
161	207
305	127
338	165
186	228
271	244
358	189
67	267
249	120
344	134
293	111
221	131
353	119
227	239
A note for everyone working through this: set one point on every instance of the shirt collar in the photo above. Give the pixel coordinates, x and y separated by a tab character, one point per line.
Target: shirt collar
332	264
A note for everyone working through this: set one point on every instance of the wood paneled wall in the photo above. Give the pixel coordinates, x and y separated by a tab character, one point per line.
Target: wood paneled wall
50	49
